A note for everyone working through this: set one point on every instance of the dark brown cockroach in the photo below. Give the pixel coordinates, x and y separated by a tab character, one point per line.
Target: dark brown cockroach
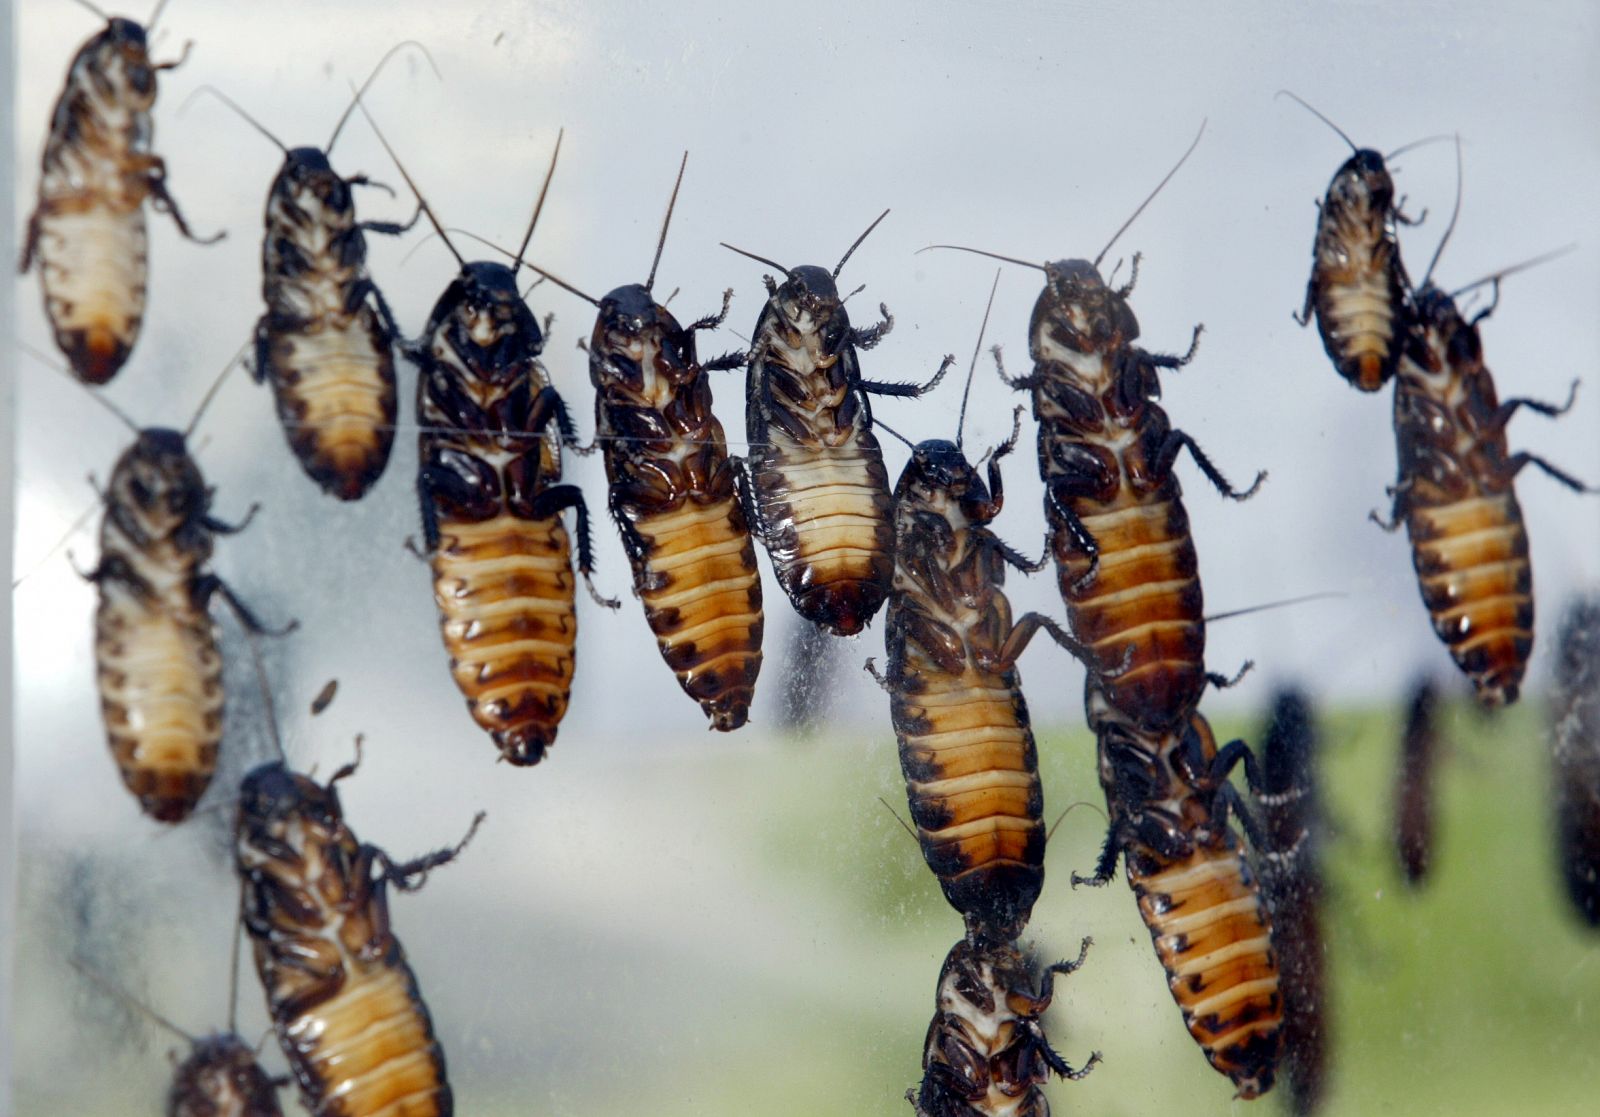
88	229
1125	558
814	469
1456	493
986	1054
489	485
1291	879
325	343
1358	287
1575	751
1414	789
1169	799
343	999
675	493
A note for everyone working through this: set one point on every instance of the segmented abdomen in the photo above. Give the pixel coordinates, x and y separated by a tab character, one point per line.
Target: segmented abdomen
828	526
1471	558
93	265
1358	304
702	599
160	679
1213	935
505	589
335	389
1141	615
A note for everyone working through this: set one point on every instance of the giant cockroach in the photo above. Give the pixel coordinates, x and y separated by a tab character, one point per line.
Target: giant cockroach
88	229
986	1054
966	746
489	485
325	343
1169	799
1575	752
1414	788
1358	287
819	492
1125	558
1456	492
1291	878
674	492
343	999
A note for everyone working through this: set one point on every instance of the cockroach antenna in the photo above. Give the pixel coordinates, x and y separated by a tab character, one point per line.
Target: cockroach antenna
1450	228
849	251
980	252
562	283
150	24
961	422
1514	269
107	986
376	70
45	360
1323	595
1307	106
1424	142
758	259
234	105
1159	187
539	205
97	11
211	392
877	422
233	966
421	201
267	705
666	222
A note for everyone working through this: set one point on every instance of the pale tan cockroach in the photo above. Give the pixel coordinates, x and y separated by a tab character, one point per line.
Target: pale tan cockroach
88	230
343	998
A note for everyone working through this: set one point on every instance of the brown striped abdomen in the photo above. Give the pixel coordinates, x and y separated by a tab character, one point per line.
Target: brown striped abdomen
505	589
1356	314
828	526
93	265
1141	614
335	390
160	680
1212	934
702	598
1471	558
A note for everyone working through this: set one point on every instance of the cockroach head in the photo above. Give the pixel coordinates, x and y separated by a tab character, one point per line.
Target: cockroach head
121	59
485	307
939	474
220	1069
1075	293
158	480
306	170
630	311
1363	181
271	797
809	298
1436	312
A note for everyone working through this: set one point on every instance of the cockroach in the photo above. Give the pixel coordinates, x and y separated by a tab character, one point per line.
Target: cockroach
966	746
489	486
1414	790
986	1054
1456	494
674	492
814	469
1169	799
1125	558
325	343
1291	879
156	656
1358	288
1576	756
88	230
343	999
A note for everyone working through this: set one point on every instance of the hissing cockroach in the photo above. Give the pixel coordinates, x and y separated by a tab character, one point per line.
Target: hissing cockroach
1125	558
986	1054
1457	498
489	486
674	492
325	343
88	229
1169	799
819	493
1358	287
343	999
1291	878
1414	789
1575	752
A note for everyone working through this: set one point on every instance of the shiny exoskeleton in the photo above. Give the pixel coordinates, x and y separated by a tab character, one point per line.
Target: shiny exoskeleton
819	491
1169	800
986	1054
1456	497
156	657
1125	558
88	231
343	999
966	746
1575	752
221	1078
1291	879
1414	789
